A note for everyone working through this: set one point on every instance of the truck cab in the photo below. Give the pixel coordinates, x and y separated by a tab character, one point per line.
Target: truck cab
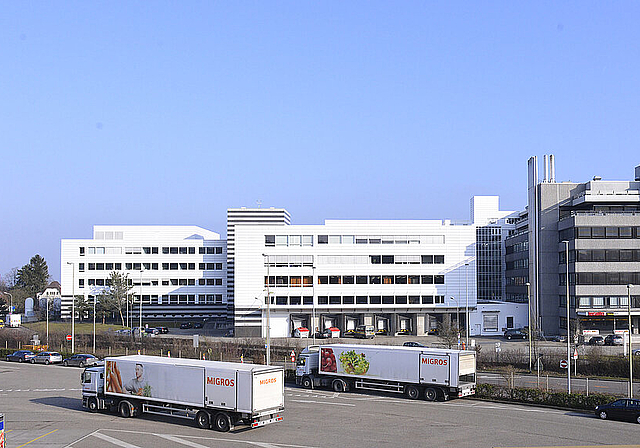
307	365
92	387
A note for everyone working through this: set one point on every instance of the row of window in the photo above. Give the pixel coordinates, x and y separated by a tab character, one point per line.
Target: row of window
599	233
307	280
607	302
357	300
518	264
166	282
624	255
601	278
307	240
150	266
518	247
175	299
189	250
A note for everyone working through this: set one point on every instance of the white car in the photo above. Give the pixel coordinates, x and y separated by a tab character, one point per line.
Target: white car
47	358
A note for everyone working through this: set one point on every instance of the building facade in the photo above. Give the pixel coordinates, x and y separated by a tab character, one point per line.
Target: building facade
179	272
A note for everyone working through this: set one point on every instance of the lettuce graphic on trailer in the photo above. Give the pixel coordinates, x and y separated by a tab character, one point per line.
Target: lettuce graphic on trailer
354	363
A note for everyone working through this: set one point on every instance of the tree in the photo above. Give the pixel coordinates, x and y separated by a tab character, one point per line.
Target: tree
119	292
448	333
84	308
4	306
106	306
10	279
34	276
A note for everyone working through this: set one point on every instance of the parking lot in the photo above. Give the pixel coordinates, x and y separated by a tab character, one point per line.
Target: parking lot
42	408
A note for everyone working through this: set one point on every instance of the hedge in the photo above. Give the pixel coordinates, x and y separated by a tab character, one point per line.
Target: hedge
542	397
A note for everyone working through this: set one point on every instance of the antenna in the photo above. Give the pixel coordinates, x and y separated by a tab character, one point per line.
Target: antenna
259	202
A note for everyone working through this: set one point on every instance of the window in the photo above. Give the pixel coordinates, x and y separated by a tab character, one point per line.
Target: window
295	300
81	267
438	279
375	300
270	240
361	300
375	279
347	300
387	279
597	255
387	300
387	259
375	239
611	255
335	280
427	279
282	280
414	279
335	239
438	259
282	240
401	300
597	232
427	300
323	280
438	299
307	300
295	281
509	321
625	232
427	259
334	300
347	279
414	300
281	300
490	322
584	232
375	259
361	279
323	239
611	232
81	251
323	300
401	279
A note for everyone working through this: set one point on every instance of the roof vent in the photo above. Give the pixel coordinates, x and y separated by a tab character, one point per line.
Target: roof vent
597	178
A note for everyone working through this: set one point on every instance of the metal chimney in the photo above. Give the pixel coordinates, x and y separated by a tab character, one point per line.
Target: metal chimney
552	162
638	173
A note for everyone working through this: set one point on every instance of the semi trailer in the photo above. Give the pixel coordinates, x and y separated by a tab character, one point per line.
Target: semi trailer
214	394
431	373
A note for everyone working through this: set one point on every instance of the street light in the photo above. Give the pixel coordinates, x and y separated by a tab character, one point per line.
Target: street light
467	326
268	347
95	296
313	304
566	256
630	352
140	328
529	320
10	302
73	305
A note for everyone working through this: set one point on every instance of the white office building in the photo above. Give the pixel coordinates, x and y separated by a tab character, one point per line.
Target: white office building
178	271
400	276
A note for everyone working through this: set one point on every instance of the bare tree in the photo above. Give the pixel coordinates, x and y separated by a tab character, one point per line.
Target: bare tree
118	292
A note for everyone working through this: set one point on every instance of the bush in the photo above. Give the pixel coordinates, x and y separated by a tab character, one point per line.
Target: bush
542	397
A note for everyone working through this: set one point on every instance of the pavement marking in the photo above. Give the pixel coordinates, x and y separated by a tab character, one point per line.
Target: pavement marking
323	402
114	441
37	438
182	441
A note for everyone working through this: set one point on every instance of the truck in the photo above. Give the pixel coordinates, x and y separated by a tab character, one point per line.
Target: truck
431	373
215	394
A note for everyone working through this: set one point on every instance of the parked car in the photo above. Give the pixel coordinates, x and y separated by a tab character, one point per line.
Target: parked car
365	332
228	334
624	409
81	360
433	332
636	351
21	356
613	339
559	338
163	330
349	334
46	358
186	325
596	340
413	344
515	333
198	325
123	332
151	330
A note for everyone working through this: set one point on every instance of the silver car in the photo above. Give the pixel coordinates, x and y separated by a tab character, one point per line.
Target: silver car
81	360
47	358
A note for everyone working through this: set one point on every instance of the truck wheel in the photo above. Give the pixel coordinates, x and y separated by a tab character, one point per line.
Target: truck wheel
338	386
124	409
307	383
412	392
202	420
92	405
222	422
430	394
444	395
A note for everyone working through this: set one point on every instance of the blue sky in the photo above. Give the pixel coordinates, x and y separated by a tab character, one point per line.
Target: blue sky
171	112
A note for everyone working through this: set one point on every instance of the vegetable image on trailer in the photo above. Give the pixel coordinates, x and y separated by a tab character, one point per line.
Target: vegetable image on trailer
215	394
415	371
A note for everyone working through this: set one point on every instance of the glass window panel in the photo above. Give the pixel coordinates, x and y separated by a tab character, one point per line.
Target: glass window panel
584	232
611	232
348	239
597	232
295	240
361	300
323	239
281	240
387	300
334	239
375	300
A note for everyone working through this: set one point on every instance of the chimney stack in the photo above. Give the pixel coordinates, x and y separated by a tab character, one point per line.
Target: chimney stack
552	162
546	169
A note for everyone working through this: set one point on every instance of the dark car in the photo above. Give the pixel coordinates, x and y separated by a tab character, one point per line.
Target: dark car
596	340
228	334
613	339
163	330
186	325
515	333
624	409
21	356
413	344
198	325
81	360
151	330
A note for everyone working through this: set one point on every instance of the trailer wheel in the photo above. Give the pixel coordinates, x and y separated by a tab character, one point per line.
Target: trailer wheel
338	385
124	409
412	392
92	405
430	394
222	422
307	383
202	420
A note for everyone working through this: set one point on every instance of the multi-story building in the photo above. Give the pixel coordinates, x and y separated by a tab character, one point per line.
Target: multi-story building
598	223
178	271
400	276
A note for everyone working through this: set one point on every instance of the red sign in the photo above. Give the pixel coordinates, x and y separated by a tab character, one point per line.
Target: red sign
69	337
596	313
563	364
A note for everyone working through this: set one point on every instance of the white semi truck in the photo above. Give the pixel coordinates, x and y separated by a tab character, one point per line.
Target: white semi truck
415	371
215	394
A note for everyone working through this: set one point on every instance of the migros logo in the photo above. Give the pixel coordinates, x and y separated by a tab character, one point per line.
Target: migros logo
435	361
220	381
268	381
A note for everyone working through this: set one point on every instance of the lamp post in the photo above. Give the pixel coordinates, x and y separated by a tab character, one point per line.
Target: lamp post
466	317
566	256
73	306
141	271
529	321
313	304
630	352
47	299
268	344
10	302
95	296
